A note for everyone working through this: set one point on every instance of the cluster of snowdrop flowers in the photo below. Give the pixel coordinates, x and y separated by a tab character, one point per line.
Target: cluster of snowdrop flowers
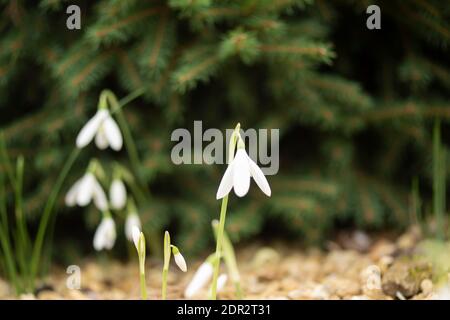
104	130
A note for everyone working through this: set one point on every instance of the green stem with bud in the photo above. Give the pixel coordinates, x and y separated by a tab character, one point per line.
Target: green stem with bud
167	253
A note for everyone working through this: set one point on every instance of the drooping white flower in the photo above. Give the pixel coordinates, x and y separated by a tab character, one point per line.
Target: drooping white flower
179	259
131	223
201	278
86	189
117	194
105	130
238	175
105	235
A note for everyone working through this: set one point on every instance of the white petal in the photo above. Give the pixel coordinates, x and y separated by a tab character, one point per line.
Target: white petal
118	194
86	189
221	281
226	183
99	196
135	235
71	195
259	177
100	139
105	236
112	133
181	263
89	130
241	173
200	279
131	223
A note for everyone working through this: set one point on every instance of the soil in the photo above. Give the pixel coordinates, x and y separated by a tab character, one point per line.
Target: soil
354	266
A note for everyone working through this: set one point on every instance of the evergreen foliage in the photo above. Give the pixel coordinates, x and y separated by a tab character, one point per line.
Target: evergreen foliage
355	107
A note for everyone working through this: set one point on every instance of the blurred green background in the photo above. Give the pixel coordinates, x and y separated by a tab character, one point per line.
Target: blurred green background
355	108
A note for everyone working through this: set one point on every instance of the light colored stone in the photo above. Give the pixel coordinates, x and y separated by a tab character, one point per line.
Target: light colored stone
341	287
4	288
426	286
49	295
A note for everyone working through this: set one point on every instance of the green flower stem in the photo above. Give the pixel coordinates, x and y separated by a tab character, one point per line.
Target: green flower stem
219	244
129	141
143	285
229	257
164	284
223	214
167	253
140	190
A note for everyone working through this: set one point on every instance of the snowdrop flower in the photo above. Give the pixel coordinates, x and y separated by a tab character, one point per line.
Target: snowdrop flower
105	130
202	276
179	259
238	174
105	236
117	194
132	222
84	190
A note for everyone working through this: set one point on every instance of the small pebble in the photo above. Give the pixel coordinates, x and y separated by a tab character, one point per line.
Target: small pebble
426	286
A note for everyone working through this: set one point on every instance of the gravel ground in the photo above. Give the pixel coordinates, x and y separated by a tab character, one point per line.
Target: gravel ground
354	266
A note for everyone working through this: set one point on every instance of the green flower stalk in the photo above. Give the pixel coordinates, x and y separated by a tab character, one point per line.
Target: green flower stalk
237	176
179	260
230	260
139	242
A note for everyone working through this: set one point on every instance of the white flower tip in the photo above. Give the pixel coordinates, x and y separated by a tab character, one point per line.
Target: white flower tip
181	263
219	195
240	192
221	281
136	234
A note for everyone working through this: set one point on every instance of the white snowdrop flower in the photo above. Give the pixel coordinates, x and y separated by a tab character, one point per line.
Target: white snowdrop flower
131	223
105	130
179	259
117	194
86	189
202	276
238	175
221	281
105	236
